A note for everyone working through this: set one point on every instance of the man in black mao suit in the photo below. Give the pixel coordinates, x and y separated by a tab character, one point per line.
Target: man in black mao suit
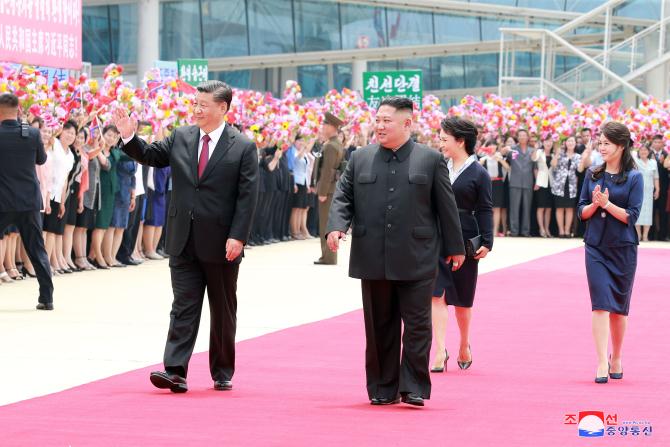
397	197
214	193
21	149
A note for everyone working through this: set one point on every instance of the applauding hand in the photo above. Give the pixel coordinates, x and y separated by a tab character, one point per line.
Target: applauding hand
599	197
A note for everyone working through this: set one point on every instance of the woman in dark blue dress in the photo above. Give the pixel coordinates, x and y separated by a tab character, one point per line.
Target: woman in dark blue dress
610	203
456	284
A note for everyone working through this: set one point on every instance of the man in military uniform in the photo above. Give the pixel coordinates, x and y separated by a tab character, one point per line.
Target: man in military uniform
21	149
398	196
329	166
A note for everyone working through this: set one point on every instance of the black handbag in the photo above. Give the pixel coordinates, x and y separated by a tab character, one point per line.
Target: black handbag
472	245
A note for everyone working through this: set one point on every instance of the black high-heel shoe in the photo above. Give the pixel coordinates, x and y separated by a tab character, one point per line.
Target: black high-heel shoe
616	376
603	379
25	272
444	365
465	365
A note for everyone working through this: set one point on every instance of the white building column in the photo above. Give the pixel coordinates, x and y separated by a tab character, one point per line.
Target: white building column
357	70
148	38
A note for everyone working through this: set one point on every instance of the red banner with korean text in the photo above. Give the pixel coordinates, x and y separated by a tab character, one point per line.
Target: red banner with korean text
41	32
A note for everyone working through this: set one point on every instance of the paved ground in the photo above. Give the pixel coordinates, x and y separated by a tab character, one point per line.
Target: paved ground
109	322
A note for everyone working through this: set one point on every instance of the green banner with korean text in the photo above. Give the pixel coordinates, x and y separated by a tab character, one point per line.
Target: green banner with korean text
193	71
378	85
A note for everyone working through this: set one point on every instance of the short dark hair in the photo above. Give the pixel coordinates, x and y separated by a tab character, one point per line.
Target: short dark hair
657	137
70	124
39	121
109	127
220	90
9	101
522	130
143	123
399	103
461	129
585	129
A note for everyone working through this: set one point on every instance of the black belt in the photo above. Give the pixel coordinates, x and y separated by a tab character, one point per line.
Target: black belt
464	211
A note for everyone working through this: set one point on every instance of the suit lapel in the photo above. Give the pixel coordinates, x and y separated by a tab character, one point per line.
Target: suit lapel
194	141
226	140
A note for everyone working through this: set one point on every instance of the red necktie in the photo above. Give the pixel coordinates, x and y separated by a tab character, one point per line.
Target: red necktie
204	155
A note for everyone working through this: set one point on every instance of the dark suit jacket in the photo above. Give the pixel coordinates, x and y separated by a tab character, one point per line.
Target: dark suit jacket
19	186
221	204
399	204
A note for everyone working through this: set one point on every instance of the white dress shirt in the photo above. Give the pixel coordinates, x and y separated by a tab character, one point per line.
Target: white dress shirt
62	163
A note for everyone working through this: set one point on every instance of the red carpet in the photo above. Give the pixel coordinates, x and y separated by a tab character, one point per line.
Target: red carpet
533	364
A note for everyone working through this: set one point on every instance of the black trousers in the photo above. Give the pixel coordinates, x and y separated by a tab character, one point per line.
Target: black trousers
130	233
661	216
277	206
30	228
387	304
286	213
190	278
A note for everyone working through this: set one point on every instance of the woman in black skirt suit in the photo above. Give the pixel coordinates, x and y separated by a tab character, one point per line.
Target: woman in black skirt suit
610	204
456	286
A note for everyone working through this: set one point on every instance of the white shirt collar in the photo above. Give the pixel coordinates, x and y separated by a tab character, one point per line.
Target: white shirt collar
453	175
214	135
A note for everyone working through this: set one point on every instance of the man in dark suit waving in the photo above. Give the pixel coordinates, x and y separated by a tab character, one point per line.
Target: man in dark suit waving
214	192
399	199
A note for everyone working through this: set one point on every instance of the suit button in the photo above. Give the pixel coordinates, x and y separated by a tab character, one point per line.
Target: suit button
391	189
393	172
197	189
390	207
388	226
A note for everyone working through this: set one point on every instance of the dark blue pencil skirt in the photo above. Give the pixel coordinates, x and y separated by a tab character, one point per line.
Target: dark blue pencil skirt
611	272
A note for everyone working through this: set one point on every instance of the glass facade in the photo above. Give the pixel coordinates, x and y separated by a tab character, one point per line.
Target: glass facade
109	34
224	23
228	28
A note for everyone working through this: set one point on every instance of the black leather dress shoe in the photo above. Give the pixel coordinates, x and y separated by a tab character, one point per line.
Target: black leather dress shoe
321	262
223	385
128	261
173	382
412	399
384	401
45	306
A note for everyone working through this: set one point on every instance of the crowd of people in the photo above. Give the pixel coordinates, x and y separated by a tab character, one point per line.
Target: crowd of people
102	210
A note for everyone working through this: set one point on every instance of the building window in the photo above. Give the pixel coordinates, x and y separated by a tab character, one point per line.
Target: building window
97	45
237	79
342	76
363	26
317	25
180	35
224	27
123	21
313	80
481	70
450	28
271	26
409	28
447	73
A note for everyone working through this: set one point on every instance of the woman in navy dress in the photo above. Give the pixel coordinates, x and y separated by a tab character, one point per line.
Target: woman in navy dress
610	204
456	284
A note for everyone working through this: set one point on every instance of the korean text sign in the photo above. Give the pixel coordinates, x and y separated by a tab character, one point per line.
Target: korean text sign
41	32
378	85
